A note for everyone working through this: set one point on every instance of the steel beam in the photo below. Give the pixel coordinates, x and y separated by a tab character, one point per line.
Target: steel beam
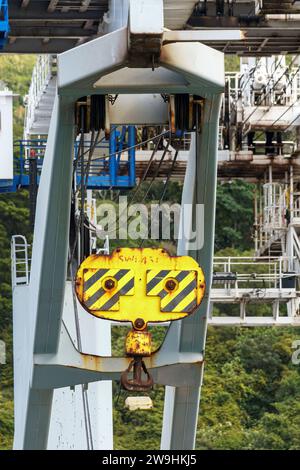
289	321
50	243
182	403
39	45
203	35
38	10
48	270
52	32
69	367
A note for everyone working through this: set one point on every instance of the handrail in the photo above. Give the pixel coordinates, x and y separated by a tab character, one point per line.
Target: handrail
20	260
41	75
235	80
20	269
115	171
265	272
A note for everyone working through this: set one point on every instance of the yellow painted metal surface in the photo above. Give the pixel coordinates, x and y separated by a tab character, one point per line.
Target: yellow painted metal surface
138	343
135	283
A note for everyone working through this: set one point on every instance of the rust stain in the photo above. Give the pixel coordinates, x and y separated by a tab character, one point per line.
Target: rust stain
138	343
97	363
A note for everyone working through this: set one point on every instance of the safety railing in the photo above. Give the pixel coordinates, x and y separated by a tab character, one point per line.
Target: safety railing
233	78
263	238
252	273
20	260
285	148
112	164
272	222
295	212
240	86
274	207
44	70
280	209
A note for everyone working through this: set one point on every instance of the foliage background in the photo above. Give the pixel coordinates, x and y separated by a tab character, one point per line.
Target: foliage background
251	391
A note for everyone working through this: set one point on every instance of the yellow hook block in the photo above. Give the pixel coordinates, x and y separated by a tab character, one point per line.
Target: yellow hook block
140	285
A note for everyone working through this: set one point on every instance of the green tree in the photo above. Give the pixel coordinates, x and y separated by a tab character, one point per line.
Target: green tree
15	72
234	215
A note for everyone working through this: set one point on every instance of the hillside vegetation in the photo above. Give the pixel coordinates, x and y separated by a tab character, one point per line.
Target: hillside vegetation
251	391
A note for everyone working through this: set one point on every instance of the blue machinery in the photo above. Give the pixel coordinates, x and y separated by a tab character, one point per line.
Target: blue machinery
4	23
115	172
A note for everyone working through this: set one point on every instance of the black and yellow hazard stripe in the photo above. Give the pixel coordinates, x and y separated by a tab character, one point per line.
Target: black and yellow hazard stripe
182	299
96	297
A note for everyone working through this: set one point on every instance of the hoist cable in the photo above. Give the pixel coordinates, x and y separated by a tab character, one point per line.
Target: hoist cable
138	187
85	402
169	176
91	152
291	123
104	157
82	191
156	138
87	418
165	185
250	74
80	227
145	174
156	171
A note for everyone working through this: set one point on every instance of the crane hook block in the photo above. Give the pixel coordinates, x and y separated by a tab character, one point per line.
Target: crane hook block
140	285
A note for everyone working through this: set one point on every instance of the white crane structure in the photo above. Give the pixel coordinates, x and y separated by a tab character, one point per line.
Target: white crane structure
132	60
139	57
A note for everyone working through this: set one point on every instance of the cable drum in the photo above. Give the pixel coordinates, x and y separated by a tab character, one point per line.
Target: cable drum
97	112
93	108
186	111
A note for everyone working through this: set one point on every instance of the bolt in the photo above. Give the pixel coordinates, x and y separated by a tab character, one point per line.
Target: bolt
171	284
139	323
109	284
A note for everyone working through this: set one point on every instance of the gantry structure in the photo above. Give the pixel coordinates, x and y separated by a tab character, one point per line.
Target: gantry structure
147	58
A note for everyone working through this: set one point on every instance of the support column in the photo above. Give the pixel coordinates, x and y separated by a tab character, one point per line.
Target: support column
182	404
33	187
255	220
48	276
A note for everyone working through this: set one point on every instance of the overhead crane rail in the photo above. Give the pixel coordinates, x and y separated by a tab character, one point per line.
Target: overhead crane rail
55	26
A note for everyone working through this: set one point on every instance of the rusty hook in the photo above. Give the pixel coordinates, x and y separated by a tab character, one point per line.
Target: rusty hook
136	384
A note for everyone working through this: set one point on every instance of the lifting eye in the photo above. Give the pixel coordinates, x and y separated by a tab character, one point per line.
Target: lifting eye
171	284
109	284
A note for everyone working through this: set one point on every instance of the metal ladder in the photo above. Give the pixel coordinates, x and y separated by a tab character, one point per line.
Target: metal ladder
20	261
